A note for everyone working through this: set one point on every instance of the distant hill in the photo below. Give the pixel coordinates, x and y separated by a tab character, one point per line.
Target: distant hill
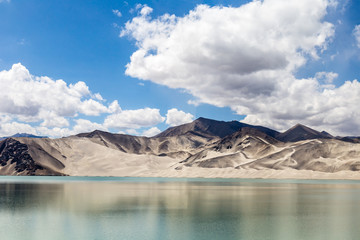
22	135
349	139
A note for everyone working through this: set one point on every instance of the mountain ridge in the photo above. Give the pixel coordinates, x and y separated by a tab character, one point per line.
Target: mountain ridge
212	128
301	132
203	148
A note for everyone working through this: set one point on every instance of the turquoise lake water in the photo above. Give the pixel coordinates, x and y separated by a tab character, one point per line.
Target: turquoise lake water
166	208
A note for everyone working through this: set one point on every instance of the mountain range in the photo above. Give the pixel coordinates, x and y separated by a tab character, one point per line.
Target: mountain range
202	148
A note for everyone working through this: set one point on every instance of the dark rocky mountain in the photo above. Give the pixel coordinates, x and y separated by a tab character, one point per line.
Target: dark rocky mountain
327	134
15	157
300	132
212	128
349	139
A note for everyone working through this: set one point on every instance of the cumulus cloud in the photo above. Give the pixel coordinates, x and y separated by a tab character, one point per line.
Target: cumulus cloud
213	44
43	106
11	128
332	109
54	132
132	132
144	9
114	107
31	98
134	119
151	132
326	77
117	12
175	117
356	33
52	120
84	125
245	58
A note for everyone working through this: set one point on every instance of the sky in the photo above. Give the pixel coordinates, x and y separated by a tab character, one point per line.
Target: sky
139	67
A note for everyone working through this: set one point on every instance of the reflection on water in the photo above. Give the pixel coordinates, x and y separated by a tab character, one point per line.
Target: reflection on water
193	209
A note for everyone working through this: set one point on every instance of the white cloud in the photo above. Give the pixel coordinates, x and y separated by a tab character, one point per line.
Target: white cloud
81	126
43	106
175	117
117	12
52	120
226	42
98	97
245	58
11	128
145	10
151	132
5	119
114	107
326	77
132	132
134	119
8	127
53	132
333	110
92	107
31	98
47	103
84	125
356	33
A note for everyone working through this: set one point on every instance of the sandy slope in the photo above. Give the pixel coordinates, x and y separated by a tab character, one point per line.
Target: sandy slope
83	157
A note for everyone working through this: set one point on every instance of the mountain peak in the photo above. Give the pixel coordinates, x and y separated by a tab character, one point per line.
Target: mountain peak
327	134
92	134
202	119
299	125
301	132
211	128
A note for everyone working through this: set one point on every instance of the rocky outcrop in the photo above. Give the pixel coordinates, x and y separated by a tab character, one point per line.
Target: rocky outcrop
14	152
15	155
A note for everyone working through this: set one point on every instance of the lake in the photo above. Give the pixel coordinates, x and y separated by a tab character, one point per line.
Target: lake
166	208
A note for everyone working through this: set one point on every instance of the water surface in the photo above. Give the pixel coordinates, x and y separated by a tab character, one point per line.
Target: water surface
164	208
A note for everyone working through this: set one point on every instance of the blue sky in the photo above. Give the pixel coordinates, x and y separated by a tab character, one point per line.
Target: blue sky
244	60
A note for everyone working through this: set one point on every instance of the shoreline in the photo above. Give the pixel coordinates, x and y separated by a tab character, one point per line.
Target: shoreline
227	173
